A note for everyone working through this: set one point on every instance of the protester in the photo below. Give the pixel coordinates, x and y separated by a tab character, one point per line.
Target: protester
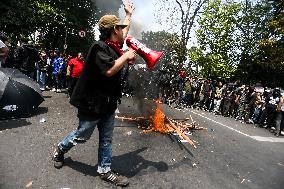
3	50
219	90
188	97
63	78
48	80
42	68
26	57
258	108
74	70
57	70
266	106
242	105
206	91
272	108
97	92
279	117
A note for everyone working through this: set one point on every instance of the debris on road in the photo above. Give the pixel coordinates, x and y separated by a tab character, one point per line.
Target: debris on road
42	120
29	184
211	130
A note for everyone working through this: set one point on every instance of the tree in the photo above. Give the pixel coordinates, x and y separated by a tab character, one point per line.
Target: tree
216	37
183	15
16	18
56	20
63	21
242	40
262	29
166	42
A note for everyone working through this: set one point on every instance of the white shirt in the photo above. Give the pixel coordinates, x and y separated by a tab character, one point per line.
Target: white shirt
2	44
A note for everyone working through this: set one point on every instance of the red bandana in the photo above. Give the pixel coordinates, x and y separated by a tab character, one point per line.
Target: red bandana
116	46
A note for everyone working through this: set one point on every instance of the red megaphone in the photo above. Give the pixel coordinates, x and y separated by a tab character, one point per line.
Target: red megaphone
151	57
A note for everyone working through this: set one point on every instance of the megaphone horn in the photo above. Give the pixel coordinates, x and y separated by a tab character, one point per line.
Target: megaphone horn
150	57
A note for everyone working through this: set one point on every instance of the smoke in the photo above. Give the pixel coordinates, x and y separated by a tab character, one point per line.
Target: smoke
116	7
136	29
143	88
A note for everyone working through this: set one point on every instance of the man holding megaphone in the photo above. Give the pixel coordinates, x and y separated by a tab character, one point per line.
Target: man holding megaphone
96	94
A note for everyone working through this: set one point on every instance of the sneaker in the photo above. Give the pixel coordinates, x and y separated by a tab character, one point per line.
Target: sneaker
58	158
58	91
42	89
53	89
271	130
250	121
115	178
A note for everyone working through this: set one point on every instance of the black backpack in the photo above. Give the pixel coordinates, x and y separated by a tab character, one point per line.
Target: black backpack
26	57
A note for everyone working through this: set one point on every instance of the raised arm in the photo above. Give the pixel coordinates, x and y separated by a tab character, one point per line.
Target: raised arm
128	8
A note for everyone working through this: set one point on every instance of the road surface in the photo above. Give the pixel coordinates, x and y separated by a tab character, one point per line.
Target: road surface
229	154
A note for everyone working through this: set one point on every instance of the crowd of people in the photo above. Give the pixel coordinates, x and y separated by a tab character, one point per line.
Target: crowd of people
56	71
52	70
251	104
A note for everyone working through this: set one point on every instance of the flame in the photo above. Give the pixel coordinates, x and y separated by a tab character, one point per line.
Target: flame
158	121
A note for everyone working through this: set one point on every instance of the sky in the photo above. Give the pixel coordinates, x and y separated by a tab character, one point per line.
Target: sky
143	18
145	14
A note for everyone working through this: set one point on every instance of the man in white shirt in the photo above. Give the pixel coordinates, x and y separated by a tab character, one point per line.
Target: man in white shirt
3	52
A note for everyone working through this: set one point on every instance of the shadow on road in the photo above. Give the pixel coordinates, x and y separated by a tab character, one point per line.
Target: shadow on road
129	164
81	167
47	96
13	123
132	163
40	110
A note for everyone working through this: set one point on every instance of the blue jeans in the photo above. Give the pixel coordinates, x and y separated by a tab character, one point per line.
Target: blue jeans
57	82
41	78
279	119
256	115
105	124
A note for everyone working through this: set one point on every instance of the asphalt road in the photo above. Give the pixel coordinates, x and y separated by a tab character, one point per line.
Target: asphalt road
229	154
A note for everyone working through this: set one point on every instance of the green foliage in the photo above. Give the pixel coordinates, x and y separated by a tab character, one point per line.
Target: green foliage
181	16
262	29
16	18
216	39
169	43
243	40
53	19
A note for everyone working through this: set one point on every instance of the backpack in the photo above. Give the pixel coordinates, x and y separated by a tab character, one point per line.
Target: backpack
26	57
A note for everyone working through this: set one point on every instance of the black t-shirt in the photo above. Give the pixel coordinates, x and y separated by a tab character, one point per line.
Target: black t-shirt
110	86
95	93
